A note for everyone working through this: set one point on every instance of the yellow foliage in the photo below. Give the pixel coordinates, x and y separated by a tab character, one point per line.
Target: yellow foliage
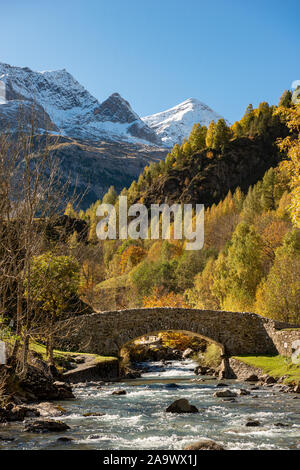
130	257
291	166
164	299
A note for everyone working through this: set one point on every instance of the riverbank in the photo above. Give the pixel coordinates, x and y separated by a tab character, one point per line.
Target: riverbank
97	418
281	368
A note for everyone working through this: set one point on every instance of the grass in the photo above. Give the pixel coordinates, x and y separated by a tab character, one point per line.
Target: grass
114	282
291	329
276	366
58	355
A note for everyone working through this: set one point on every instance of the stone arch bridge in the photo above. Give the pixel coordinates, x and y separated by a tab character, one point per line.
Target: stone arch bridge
107	332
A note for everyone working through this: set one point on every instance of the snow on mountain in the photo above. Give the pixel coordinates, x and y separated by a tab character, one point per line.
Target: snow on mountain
71	108
72	111
175	124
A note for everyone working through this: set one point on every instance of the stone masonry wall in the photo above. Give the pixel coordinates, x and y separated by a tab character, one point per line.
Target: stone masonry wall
105	333
283	339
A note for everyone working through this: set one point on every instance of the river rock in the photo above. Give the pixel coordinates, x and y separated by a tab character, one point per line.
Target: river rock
40	385
119	392
203	370
172	385
253	423
64	439
268	379
18	413
132	374
225	394
297	388
42	426
187	353
49	409
181	406
221	384
251	378
86	415
206	444
243	391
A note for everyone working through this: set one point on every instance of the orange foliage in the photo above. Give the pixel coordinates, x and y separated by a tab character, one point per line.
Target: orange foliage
272	237
130	257
160	298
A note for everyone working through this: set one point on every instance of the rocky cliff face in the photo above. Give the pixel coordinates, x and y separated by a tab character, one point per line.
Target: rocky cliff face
211	174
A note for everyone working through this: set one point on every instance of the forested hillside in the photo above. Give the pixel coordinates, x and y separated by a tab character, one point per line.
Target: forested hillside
247	177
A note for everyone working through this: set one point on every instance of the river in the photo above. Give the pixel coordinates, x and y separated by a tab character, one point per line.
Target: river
138	420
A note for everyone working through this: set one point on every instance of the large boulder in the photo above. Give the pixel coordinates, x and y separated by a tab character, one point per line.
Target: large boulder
43	426
12	412
40	385
205	444
181	406
225	394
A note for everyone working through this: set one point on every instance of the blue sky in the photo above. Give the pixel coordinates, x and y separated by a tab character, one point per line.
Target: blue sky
227	53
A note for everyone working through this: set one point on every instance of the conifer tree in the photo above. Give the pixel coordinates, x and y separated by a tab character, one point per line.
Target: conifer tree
222	134
210	136
285	99
110	197
197	137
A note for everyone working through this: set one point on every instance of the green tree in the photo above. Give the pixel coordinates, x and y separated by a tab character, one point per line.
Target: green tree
148	275
278	296
110	197
54	284
238	273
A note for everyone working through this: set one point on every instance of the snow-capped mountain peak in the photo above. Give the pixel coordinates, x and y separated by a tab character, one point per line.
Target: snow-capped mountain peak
175	124
71	108
72	111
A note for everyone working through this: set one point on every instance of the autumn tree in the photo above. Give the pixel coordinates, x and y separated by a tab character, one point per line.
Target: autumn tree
161	298
201	295
238	273
53	284
197	137
222	134
278	296
210	136
110	197
291	165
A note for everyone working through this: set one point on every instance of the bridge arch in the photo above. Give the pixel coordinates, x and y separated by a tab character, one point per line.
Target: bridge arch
106	332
